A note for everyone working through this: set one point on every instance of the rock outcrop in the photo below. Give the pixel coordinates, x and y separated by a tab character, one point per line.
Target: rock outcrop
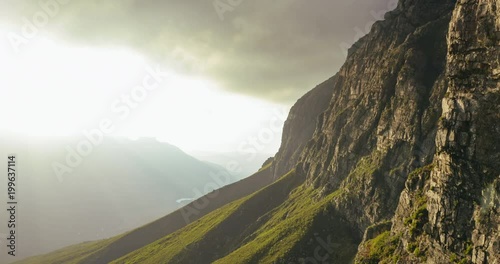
300	126
395	159
450	212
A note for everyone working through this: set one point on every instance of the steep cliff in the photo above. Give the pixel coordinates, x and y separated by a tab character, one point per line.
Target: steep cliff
300	126
449	211
392	160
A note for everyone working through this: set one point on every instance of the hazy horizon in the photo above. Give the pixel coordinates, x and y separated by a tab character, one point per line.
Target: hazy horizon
226	78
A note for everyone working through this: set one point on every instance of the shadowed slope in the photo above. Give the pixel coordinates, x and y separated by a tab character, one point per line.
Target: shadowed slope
108	250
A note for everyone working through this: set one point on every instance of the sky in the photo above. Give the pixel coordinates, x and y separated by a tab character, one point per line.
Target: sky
202	75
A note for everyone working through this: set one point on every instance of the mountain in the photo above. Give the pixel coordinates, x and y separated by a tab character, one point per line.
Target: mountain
120	185
449	210
239	164
395	159
107	250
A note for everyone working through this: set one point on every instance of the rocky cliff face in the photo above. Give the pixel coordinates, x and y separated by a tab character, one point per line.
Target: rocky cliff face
451	212
300	126
395	154
417	97
382	118
395	159
463	198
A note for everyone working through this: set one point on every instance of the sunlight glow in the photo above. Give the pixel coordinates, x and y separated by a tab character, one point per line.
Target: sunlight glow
54	89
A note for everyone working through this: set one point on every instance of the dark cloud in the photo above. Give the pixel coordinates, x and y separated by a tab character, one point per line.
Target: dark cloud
270	49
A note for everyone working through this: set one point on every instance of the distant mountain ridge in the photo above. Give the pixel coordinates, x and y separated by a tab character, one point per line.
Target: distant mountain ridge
122	184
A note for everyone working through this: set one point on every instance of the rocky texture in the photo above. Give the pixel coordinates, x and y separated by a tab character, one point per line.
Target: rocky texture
467	172
459	198
397	154
300	126
387	95
382	120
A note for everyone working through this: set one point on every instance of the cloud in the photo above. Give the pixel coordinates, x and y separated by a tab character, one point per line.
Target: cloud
276	50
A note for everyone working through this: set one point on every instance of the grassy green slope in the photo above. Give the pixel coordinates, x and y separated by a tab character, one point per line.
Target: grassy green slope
289	225
220	231
291	233
165	250
111	249
281	230
69	255
278	224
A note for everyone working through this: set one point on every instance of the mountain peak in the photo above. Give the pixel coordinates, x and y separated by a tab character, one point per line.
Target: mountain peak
395	159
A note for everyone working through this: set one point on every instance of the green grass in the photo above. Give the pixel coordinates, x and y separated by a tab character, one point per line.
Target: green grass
418	217
425	171
70	255
363	172
265	167
175	242
276	237
468	249
381	249
284	227
165	249
289	225
292	222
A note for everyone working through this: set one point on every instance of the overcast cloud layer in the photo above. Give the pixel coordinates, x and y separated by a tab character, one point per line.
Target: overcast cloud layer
276	50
